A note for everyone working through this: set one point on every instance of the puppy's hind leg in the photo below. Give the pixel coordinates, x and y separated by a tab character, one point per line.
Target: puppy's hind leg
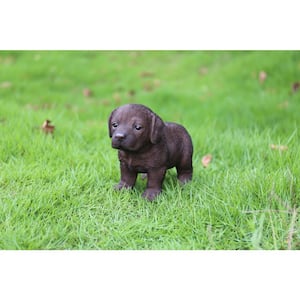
185	171
184	175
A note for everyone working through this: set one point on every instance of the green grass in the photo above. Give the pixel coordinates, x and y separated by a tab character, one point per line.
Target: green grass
57	193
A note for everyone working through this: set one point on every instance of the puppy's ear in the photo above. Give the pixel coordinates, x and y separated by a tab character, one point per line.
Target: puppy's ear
109	123
157	126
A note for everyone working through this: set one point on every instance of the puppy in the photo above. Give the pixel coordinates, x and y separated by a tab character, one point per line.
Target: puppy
148	145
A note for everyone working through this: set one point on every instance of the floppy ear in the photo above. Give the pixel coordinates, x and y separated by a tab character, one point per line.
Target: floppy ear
109	123
157	126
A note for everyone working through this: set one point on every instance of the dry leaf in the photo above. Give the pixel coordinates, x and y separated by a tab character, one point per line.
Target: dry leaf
105	102
295	86
117	97
135	54
262	76
156	82
146	74
5	84
279	147
283	105
203	70
131	93
206	160
148	86
47	128
7	60
87	92
39	106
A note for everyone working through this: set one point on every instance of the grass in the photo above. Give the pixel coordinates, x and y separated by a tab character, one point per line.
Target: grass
57	192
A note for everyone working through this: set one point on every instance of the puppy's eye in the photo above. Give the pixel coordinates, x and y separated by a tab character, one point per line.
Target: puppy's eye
114	124
138	127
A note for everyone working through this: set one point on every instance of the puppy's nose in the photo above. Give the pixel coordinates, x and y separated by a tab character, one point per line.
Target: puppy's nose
120	136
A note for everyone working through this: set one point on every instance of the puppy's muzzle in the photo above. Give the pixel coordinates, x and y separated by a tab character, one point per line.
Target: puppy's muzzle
120	136
118	140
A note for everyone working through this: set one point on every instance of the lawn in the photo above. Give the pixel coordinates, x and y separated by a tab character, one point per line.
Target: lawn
242	107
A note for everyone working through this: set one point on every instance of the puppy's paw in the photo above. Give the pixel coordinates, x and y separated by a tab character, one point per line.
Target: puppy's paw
150	194
184	178
122	185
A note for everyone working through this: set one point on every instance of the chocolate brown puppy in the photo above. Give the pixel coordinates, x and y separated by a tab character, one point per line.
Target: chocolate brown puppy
146	144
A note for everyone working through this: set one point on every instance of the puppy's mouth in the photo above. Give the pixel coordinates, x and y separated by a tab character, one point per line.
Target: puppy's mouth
117	146
121	145
124	145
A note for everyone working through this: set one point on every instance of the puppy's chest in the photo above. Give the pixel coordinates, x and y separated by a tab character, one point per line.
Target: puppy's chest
139	162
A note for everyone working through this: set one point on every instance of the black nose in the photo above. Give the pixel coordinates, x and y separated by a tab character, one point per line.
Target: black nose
120	136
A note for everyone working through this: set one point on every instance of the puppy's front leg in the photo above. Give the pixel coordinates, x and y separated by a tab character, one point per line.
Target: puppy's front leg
128	177
154	183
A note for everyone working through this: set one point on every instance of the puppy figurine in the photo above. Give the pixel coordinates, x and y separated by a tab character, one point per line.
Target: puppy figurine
148	145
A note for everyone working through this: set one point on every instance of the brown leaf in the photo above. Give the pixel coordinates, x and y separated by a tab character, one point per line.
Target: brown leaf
295	86
7	60
87	92
148	86
146	74
262	76
131	93
206	160
279	147
105	102
47	128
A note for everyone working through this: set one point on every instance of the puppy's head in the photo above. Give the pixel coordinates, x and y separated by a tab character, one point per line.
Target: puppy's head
133	127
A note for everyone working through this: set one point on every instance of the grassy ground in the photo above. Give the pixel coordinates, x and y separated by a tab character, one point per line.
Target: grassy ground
57	192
